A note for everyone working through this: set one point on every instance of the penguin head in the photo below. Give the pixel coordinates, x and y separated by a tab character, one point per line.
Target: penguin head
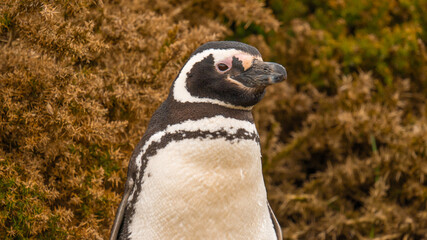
227	73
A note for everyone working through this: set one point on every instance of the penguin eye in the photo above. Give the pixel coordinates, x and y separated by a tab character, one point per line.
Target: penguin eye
222	67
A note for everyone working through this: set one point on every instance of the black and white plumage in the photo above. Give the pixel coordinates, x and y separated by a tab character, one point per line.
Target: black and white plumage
196	173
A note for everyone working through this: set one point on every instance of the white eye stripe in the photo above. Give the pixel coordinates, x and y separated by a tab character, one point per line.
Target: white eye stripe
224	55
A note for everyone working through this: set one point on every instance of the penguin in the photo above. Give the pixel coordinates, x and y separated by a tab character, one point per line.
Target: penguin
197	171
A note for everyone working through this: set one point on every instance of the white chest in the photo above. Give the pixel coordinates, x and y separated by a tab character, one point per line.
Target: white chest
203	189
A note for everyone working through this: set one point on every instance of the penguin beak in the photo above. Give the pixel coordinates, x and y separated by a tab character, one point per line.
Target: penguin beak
262	74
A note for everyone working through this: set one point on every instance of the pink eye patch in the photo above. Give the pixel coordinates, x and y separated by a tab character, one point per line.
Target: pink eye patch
246	59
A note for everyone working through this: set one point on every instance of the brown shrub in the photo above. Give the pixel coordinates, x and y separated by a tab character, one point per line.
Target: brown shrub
345	166
79	81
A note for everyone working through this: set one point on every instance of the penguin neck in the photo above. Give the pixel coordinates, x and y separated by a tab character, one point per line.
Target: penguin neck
179	111
202	109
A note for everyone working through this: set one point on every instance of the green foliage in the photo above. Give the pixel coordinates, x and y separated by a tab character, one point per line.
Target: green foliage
344	141
384	37
23	205
5	22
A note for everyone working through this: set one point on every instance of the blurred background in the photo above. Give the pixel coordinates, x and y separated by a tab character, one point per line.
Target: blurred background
344	140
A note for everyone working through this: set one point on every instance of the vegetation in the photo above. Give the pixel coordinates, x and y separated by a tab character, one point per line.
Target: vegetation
344	141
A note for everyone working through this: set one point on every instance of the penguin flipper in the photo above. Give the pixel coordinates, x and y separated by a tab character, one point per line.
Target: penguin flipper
276	225
120	212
